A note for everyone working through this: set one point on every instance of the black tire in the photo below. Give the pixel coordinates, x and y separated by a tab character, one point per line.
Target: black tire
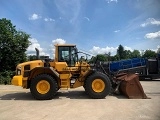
51	89
84	86
105	88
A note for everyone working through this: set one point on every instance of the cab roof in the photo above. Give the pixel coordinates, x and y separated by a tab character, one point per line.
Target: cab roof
64	45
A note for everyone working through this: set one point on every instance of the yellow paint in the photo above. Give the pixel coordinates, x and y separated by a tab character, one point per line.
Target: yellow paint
65	80
43	87
98	85
33	64
65	76
59	66
17	80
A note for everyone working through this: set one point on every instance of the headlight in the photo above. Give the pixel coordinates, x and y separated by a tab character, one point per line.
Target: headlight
18	72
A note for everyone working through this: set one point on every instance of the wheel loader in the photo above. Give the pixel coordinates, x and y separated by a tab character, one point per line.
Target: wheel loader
45	77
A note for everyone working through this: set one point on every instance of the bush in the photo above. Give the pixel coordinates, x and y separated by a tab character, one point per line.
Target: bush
5	77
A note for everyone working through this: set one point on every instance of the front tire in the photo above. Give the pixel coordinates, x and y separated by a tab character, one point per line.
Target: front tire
43	87
98	85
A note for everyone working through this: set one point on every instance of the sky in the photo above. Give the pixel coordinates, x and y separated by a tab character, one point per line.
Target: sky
95	26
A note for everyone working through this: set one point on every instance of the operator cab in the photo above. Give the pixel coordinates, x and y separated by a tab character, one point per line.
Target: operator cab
66	53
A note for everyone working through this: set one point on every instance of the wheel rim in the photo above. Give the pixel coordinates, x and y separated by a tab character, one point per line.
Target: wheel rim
98	85
43	86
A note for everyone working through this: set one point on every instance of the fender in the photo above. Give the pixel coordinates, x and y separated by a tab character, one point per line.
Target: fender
43	70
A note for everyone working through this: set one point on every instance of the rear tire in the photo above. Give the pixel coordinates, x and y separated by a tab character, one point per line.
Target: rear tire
97	85
43	87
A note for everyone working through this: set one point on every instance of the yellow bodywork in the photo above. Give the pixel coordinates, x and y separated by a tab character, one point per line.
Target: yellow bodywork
17	80
60	66
20	80
65	80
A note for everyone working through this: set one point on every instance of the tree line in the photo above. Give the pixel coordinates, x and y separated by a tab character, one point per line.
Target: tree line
123	54
14	44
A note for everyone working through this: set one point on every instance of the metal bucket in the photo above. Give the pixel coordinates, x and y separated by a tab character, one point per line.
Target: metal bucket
130	86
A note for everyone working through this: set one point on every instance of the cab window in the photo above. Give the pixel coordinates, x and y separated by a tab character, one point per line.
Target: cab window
66	55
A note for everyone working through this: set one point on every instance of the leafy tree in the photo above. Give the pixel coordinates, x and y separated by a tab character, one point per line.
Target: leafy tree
32	57
127	54
114	58
121	52
102	57
13	45
135	54
149	54
99	57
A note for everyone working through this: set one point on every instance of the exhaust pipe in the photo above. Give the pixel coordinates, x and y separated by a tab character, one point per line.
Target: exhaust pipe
37	54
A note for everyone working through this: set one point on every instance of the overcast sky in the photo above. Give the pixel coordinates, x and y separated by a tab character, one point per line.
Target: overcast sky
95	26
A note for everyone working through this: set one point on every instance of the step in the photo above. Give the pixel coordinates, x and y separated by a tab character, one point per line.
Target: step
64	83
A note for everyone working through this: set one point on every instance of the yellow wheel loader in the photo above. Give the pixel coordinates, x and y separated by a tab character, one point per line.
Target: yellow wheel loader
45	77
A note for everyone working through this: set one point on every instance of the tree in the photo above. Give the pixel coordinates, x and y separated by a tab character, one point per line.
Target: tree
149	54
135	54
99	57
32	57
13	45
114	58
121	52
127	54
102	57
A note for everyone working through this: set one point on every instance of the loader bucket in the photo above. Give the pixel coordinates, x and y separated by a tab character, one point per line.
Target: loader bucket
130	86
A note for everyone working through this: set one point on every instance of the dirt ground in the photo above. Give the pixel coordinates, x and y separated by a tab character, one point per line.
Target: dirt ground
17	103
